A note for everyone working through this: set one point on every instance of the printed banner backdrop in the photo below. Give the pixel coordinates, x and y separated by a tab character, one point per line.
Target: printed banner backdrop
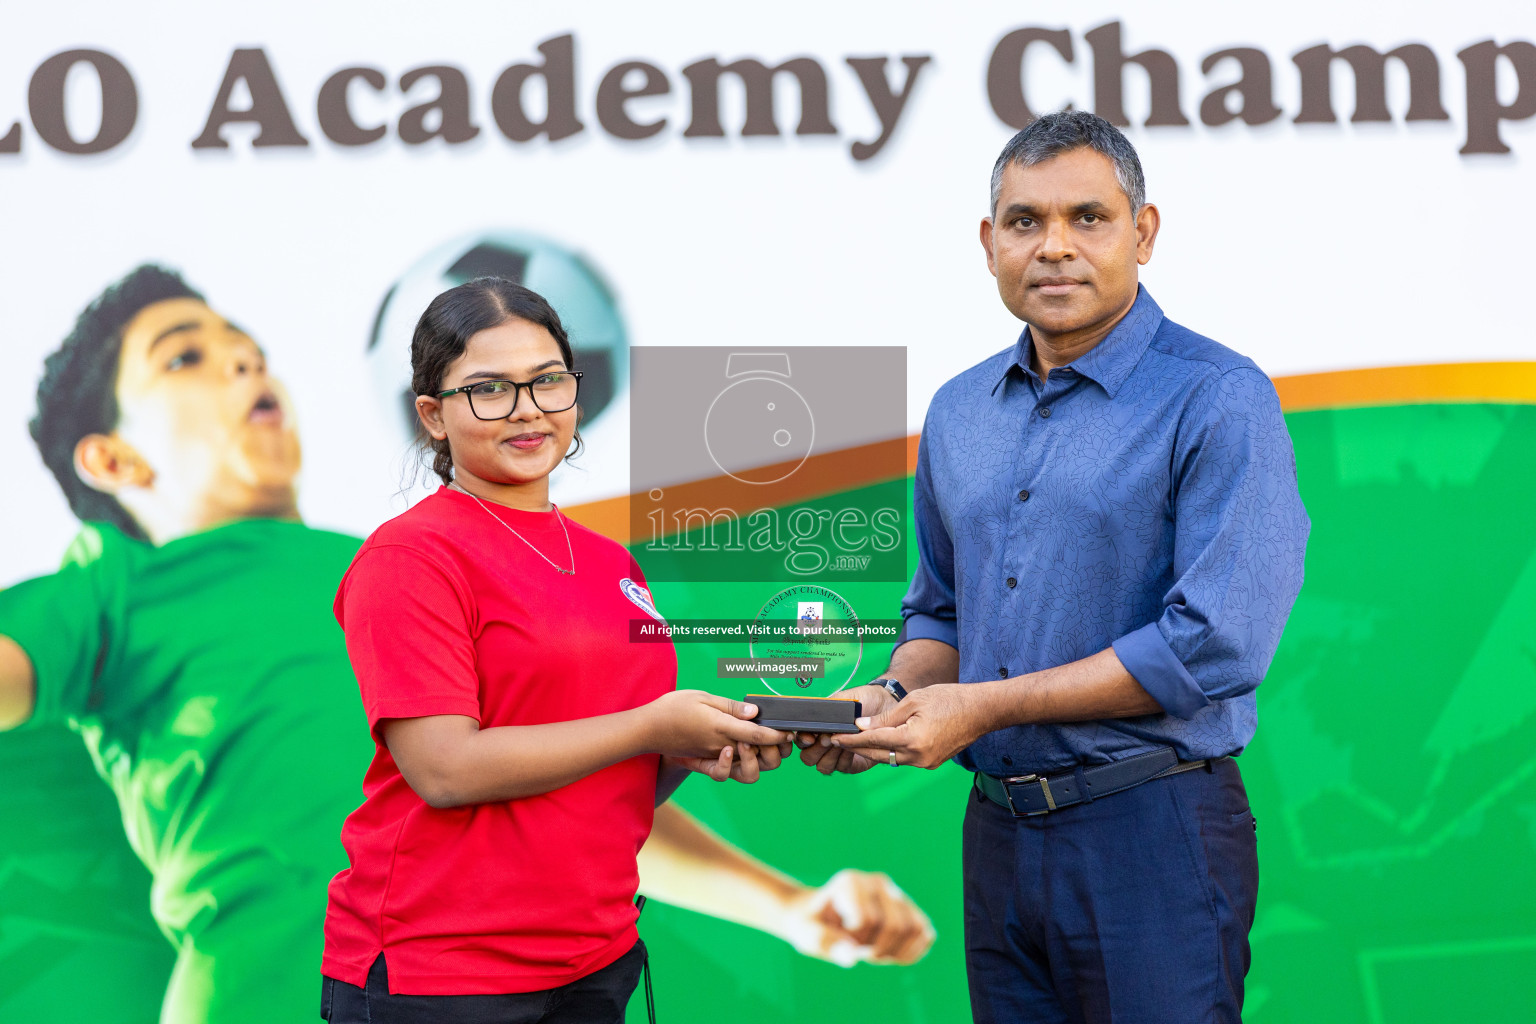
1345	196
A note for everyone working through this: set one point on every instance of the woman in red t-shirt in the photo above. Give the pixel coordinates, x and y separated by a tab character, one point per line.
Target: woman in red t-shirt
522	740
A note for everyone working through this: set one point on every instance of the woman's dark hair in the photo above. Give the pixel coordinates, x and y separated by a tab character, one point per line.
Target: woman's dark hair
458	314
78	393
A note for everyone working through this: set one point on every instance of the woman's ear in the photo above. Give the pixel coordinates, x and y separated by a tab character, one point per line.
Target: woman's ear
108	463
429	411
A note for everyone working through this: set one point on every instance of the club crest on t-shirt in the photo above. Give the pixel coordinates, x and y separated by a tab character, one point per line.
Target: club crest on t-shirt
640	597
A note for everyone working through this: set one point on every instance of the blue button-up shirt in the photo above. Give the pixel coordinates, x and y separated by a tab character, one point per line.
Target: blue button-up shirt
1144	497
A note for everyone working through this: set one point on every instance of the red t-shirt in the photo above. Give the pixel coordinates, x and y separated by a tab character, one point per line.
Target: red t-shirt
447	613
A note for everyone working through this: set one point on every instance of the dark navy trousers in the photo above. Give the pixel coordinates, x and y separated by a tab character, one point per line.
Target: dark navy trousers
1132	909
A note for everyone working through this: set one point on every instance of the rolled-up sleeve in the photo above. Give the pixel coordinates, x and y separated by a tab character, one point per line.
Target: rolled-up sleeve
928	610
1240	538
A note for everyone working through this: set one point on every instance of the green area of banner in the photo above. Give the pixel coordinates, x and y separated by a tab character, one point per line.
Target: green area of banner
1393	777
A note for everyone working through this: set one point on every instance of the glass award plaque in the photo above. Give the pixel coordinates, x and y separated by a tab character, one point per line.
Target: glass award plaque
810	638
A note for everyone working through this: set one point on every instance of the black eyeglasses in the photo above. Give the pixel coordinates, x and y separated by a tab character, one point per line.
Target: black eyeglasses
554	391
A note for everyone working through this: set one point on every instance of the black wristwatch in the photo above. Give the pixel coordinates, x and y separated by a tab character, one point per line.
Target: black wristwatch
892	687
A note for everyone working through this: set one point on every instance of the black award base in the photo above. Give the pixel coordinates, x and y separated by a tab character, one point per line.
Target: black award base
805	714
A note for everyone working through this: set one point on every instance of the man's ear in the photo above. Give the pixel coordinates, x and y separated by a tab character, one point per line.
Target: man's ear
430	411
1148	221
108	463
986	243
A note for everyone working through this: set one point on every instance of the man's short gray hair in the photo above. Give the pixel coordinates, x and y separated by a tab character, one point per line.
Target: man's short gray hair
1066	130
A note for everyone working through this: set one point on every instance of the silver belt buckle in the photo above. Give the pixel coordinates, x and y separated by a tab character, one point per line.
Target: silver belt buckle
1024	780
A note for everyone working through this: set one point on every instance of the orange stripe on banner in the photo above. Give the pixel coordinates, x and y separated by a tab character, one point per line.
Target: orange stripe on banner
826	473
609	517
851	468
1409	385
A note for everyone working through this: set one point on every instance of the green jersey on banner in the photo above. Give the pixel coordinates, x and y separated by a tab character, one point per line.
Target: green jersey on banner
211	685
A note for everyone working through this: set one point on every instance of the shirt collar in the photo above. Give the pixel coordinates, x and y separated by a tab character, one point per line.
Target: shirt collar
1111	361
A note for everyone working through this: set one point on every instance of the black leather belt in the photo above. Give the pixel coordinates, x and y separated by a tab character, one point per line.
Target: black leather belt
1029	795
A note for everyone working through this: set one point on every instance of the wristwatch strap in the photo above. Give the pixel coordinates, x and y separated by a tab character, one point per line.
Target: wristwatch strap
892	687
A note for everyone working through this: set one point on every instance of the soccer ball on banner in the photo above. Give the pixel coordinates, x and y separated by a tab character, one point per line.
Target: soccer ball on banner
587	308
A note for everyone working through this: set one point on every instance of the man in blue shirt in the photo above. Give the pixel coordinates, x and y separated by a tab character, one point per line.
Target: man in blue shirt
1110	540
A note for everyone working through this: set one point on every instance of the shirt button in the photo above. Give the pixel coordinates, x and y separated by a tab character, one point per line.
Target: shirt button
1023	495
1013	581
1002	673
1045	412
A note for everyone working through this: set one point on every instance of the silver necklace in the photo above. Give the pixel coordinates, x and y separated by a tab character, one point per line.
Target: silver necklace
558	515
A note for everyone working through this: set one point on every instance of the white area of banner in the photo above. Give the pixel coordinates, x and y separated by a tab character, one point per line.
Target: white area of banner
1308	247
